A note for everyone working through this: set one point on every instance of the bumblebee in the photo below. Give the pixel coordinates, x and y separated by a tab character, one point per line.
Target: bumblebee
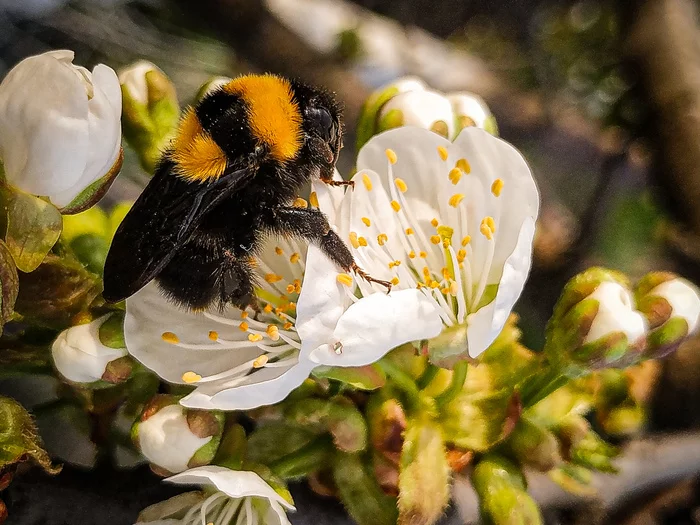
237	162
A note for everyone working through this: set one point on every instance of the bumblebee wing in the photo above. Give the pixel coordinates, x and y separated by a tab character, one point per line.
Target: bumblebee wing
161	220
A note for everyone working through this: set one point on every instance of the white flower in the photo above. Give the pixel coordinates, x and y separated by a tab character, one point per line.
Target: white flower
451	223
166	440
683	298
59	125
80	356
241	498
616	313
238	362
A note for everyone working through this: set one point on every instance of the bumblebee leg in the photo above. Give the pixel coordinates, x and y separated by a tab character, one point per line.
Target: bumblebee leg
312	225
236	283
327	178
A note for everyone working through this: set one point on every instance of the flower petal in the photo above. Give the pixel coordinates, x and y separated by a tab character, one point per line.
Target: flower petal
235	483
378	323
485	324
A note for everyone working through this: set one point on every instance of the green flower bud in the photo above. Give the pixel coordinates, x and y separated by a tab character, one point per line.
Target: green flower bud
595	324
387	423
150	111
424	476
534	445
671	305
210	85
503	499
174	438
585	447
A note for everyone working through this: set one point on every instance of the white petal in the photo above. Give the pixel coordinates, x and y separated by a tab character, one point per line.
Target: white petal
376	324
421	109
684	298
133	78
235	483
275	515
166	440
486	323
616	313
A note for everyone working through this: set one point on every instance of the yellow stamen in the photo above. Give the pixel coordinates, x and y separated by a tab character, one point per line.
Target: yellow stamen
382	238
392	264
423	254
491	223
394	281
313	199
287	325
213	335
170	337
463	164
456	199
243	327
445	273
396	206
435	223
426	272
273	278
261	360
455	175
367	181
267	309
445	291
294	258
461	255
279	250
362	241
467	239
445	232
412	254
435	239
409	231
487	228
497	187
391	155
273	332
401	185
300	203
366	221
255	338
434	284
344	278
244	315
191	377
442	151
353	240
290	288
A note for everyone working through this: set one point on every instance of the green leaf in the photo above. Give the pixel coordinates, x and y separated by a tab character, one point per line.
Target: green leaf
33	227
19	439
368	377
95	191
9	283
360	493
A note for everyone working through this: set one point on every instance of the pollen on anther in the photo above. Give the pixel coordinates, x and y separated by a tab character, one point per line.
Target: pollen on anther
255	338
261	360
401	185
455	175
391	155
409	231
434	222
287	325
463	164
491	223
442	151
382	238
290	288
395	206
191	377
412	254
300	203
461	255
466	240
313	199
367	181
393	264
456	199
268	308
272	278
423	254
244	315
435	239
395	281
366	221
279	251
344	278
497	187
213	335
273	332
353	240
362	241
294	258
170	337
243	327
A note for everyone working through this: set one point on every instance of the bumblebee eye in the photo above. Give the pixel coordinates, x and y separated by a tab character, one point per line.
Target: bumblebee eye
322	122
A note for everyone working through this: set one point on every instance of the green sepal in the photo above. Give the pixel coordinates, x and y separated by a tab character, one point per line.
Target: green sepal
368	377
366	126
111	331
272	440
573	478
304	461
232	449
214	428
534	445
9	285
95	191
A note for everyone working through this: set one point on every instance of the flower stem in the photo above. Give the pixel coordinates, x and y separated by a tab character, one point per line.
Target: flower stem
542	385
402	381
459	375
427	376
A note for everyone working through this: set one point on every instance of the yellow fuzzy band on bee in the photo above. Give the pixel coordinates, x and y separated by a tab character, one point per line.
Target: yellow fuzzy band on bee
197	156
273	115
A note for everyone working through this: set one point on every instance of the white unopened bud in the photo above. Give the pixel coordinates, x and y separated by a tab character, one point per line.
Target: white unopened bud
684	299
616	313
423	109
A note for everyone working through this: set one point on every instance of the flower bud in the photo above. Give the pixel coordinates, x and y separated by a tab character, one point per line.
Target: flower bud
671	305
174	438
534	445
210	85
423	109
471	110
150	110
387	424
585	447
81	356
596	323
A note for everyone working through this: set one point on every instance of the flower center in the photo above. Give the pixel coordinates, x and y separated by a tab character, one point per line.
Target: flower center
221	509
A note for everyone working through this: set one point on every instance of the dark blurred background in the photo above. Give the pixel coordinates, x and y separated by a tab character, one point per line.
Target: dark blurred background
602	98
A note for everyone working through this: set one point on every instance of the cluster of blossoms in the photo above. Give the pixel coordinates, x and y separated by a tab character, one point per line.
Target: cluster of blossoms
441	207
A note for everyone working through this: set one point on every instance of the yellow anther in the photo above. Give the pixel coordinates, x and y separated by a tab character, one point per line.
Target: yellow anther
300	203
455	175
170	337
461	255
487	228
456	199
442	151
395	206
287	325
463	164
191	377
268	308
435	239
382	238
497	187
213	335
445	273
435	223
391	155
393	264
434	284
290	288
491	223
244	315
409	231
423	254
401	185
273	332
394	281
273	278
362	241
279	250
243	327
294	258
446	243
353	240
367	181
297	285
412	254
366	221
426	272
255	338
313	199
261	360
445	291
344	278
467	239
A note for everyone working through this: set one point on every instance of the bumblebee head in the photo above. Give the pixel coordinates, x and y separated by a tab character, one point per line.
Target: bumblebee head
321	123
